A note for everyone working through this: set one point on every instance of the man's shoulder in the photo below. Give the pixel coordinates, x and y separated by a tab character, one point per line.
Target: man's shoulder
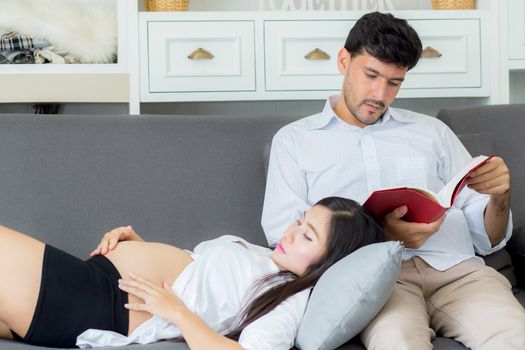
302	125
415	117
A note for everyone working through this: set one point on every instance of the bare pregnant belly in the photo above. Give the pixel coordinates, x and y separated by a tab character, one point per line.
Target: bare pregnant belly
157	262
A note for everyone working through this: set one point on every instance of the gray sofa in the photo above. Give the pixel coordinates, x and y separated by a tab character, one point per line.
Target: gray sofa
177	179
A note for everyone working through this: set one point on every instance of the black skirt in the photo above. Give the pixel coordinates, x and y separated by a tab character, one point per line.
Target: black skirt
76	295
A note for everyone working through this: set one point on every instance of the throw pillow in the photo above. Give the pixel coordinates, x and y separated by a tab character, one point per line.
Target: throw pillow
349	295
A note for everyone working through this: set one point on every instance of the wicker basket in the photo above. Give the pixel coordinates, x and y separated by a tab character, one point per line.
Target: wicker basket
167	5
453	4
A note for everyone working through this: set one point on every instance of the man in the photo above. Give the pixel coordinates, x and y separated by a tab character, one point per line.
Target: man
359	144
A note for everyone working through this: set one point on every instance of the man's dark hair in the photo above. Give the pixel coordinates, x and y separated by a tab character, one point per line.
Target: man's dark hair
385	37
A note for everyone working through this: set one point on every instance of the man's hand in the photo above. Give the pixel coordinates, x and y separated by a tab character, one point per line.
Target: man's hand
491	178
412	234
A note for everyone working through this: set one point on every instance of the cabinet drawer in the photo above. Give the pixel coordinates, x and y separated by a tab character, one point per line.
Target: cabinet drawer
457	41
287	43
172	68
516	29
459	62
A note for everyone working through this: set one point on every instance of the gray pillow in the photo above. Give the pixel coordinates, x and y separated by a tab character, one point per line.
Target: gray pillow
349	295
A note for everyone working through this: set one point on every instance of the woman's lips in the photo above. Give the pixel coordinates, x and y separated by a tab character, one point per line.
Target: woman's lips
280	248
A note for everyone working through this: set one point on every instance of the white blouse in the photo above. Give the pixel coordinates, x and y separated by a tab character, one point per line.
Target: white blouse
215	286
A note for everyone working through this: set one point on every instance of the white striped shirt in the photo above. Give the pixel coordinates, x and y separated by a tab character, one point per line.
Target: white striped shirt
321	155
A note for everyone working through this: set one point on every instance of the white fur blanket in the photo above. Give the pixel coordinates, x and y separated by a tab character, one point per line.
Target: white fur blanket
86	29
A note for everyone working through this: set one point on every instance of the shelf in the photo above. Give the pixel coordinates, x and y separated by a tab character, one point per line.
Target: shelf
517	64
33	83
22	69
66	87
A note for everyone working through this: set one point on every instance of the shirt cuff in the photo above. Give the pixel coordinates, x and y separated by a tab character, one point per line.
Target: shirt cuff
476	220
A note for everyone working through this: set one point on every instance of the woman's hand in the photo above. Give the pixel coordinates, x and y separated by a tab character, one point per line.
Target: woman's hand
159	301
110	240
162	302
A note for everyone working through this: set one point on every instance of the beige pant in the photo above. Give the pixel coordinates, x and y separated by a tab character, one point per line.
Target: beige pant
469	302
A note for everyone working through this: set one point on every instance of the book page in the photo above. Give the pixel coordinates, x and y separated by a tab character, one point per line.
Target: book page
427	193
448	194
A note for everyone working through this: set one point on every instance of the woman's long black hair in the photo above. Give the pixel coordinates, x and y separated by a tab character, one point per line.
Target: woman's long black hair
351	227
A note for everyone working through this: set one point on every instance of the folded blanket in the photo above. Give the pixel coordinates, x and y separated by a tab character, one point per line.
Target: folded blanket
15	41
86	29
17	57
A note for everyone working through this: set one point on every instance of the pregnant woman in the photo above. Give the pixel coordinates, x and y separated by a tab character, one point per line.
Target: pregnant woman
226	294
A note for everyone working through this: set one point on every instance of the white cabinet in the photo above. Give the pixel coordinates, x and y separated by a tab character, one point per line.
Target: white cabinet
200	56
516	29
287	55
302	55
452	56
29	83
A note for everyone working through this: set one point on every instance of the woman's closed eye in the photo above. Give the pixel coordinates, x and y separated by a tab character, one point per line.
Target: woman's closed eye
307	237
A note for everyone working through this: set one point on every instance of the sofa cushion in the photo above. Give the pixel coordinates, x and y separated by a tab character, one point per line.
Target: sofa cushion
478	143
349	295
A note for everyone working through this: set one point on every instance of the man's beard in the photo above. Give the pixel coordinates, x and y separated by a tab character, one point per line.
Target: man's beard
355	109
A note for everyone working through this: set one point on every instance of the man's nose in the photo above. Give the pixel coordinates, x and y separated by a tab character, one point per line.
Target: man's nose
379	91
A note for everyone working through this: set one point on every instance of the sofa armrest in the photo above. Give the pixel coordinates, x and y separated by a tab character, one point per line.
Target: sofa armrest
516	248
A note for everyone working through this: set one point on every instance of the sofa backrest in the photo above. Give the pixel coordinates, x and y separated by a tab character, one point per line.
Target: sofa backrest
176	179
498	129
67	179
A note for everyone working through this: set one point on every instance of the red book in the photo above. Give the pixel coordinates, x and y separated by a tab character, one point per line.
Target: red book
423	205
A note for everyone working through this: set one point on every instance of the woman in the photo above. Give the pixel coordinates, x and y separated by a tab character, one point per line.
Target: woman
207	297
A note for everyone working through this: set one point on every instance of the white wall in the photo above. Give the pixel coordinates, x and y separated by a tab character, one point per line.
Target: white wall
517	86
429	106
253	5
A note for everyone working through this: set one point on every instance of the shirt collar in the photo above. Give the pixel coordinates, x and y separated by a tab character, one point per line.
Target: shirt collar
322	119
327	115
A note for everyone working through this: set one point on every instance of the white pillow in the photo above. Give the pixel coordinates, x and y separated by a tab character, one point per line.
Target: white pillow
349	295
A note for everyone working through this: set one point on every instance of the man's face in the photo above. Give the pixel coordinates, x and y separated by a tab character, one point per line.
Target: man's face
369	87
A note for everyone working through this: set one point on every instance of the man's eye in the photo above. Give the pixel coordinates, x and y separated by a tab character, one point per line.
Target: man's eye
391	83
307	237
371	75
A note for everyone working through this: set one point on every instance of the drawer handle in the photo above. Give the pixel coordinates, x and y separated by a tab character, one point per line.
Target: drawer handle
317	55
200	54
430	52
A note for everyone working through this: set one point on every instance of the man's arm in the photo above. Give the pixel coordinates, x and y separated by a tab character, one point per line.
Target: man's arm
286	193
493	178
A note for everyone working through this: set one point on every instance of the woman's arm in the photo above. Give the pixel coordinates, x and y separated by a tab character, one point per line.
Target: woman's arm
162	302
110	239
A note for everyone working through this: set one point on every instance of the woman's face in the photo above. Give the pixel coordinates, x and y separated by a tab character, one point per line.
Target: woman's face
304	242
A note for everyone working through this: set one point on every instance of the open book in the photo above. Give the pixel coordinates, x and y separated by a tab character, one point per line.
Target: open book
423	205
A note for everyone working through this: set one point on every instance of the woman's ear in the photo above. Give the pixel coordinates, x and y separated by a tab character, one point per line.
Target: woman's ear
343	61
